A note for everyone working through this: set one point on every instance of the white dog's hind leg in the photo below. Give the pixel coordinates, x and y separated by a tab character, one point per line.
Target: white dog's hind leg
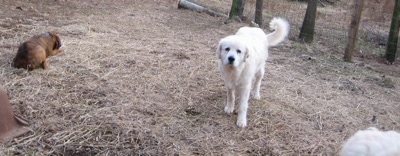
230	101
243	105
255	92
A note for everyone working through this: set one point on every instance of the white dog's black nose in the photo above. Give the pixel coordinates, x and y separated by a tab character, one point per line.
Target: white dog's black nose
231	59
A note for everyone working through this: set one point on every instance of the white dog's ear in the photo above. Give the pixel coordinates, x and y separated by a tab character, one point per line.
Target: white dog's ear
219	50
246	54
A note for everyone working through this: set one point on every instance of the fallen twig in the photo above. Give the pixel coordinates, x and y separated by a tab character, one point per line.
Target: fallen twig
193	6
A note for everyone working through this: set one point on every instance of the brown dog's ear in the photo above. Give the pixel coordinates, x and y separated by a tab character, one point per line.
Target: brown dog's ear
57	43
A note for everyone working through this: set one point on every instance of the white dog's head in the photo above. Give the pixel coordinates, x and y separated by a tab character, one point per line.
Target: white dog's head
232	50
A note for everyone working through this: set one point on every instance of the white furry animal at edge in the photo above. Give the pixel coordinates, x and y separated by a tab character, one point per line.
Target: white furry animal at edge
242	62
372	142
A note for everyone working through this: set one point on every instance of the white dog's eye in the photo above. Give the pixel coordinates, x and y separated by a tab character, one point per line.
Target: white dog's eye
227	49
238	51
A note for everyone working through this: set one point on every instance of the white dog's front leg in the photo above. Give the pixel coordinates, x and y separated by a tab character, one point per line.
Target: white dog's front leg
243	105
230	101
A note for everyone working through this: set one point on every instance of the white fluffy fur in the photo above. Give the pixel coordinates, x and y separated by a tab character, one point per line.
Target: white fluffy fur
372	142
242	60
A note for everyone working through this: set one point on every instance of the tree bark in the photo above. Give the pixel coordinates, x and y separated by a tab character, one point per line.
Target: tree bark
391	48
258	13
307	29
193	6
355	22
237	9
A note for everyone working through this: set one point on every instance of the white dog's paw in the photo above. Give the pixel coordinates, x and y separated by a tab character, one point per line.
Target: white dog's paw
241	123
255	95
229	109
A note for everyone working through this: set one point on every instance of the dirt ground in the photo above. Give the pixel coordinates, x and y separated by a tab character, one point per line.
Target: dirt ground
140	78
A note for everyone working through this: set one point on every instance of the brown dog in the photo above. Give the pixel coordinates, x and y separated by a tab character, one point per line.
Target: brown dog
32	54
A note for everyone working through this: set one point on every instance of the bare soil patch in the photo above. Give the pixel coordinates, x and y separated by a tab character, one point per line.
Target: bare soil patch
140	78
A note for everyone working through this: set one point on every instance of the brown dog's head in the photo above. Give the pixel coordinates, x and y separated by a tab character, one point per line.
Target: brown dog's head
56	39
57	42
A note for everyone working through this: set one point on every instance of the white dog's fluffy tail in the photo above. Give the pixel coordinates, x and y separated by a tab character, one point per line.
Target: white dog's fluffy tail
281	30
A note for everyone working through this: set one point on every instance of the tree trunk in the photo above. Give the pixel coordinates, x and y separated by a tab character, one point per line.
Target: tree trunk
355	22
258	13
393	34
237	9
307	29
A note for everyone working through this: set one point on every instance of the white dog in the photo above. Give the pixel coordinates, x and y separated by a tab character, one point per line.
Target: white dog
242	60
372	142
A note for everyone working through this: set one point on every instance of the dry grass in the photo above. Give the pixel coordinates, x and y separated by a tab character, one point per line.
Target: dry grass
140	78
